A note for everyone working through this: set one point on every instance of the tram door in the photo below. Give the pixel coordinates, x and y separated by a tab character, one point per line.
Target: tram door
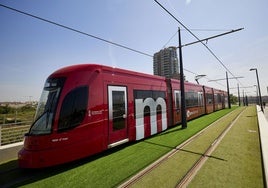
117	96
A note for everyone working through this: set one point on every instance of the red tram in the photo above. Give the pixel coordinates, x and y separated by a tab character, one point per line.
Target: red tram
86	109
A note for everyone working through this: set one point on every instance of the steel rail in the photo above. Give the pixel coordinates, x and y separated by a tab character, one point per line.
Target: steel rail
179	148
200	162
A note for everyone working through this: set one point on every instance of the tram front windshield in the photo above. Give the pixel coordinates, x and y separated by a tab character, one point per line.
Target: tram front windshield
46	107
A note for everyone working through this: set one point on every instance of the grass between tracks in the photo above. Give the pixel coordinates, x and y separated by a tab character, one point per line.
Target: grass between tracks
240	149
174	168
114	166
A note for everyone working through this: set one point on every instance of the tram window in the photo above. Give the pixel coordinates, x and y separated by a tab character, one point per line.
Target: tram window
143	94
200	99
177	100
209	98
73	108
219	98
191	99
119	110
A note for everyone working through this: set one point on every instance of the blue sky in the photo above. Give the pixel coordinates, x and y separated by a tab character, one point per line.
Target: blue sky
30	50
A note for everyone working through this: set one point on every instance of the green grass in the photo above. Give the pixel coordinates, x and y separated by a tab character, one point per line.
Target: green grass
240	150
169	172
114	166
15	125
23	114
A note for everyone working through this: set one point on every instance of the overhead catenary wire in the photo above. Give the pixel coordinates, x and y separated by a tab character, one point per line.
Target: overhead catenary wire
186	28
195	30
212	37
170	39
206	77
75	30
87	34
207	29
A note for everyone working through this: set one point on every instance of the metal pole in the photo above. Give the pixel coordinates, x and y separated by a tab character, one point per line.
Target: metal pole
0	134
228	91
260	99
183	105
257	96
238	95
243	97
259	89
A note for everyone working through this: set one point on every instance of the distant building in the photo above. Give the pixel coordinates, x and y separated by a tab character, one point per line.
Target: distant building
166	63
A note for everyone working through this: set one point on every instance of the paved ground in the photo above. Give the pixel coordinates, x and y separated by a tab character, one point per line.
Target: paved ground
266	113
263	127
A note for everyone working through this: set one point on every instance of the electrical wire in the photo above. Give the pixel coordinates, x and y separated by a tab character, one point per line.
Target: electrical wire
90	35
186	28
170	39
208	29
77	31
194	30
206	77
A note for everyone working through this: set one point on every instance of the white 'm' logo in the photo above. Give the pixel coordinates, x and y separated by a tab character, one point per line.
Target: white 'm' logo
139	110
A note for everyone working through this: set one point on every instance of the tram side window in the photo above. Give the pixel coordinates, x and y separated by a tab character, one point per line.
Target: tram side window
219	98
191	99
209	98
200	99
177	100
73	108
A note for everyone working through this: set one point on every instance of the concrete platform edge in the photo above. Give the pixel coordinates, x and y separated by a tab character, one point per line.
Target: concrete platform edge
263	128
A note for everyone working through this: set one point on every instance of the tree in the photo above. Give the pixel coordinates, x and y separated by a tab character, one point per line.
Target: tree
233	99
5	109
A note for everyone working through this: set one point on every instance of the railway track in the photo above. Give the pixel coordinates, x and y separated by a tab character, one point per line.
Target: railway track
26	176
191	172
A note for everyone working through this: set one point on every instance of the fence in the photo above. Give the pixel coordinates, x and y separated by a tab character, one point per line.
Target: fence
13	132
